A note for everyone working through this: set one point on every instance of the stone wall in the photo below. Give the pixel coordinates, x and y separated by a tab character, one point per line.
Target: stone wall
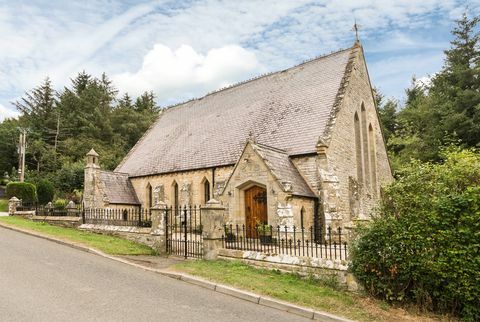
304	266
136	234
62	221
282	207
190	185
344	198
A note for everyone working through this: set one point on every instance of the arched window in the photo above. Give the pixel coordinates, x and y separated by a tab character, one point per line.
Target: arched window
206	191
373	159
358	149
302	217
149	196
175	194
366	159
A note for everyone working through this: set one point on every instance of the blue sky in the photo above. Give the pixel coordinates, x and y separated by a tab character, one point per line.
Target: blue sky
184	49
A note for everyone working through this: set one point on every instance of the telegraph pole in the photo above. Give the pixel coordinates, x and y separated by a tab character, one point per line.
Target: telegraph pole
21	154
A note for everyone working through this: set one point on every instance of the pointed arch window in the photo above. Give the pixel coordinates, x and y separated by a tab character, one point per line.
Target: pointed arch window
149	195
373	158
206	191
175	194
358	149
366	158
302	217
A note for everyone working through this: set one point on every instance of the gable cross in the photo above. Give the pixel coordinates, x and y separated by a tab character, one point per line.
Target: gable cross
355	28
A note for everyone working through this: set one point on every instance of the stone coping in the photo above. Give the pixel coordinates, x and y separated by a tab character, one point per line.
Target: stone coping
312	262
56	218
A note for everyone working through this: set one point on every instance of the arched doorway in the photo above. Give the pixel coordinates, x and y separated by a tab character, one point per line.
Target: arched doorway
255	209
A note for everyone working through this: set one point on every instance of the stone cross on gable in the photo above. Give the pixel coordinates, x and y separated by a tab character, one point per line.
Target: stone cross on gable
355	28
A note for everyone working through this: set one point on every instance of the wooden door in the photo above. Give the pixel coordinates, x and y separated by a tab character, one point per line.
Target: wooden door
255	209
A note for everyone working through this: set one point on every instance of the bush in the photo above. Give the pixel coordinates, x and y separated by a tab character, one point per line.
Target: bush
22	190
423	244
70	177
60	204
45	192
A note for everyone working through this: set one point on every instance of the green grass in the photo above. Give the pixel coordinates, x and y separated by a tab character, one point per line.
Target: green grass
288	287
321	295
3	205
107	244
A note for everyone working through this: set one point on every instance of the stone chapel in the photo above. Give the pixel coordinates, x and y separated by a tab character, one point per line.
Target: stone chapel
302	146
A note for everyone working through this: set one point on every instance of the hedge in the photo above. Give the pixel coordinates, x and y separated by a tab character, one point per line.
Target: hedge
22	190
423	245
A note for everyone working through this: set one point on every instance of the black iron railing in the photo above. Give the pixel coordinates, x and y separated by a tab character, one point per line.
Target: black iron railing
308	242
184	231
118	217
50	210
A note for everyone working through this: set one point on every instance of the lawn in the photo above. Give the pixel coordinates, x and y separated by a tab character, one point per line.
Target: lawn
322	295
107	244
3	205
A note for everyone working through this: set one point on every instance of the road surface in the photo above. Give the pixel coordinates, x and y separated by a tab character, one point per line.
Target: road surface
44	281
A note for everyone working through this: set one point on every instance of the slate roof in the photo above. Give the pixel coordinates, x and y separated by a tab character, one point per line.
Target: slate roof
288	110
283	169
118	188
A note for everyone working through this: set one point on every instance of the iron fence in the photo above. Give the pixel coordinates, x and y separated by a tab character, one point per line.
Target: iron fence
118	217
321	243
58	211
50	210
184	231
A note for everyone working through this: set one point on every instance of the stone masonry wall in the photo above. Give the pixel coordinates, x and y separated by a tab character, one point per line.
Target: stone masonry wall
282	207
304	266
354	200
190	185
136	234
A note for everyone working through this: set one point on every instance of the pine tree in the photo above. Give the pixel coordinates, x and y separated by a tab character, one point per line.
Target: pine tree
456	89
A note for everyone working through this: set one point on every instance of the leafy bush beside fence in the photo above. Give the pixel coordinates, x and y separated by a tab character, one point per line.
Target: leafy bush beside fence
423	246
45	192
22	190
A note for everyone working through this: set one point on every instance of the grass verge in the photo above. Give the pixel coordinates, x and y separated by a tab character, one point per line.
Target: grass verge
321	295
107	244
3	205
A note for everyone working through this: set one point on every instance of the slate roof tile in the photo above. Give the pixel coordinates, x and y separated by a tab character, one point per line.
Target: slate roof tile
288	110
118	188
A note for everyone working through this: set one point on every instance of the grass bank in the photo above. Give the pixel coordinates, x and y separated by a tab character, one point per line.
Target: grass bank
322	295
3	205
107	244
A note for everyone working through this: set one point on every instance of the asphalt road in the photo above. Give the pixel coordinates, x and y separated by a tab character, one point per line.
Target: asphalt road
44	281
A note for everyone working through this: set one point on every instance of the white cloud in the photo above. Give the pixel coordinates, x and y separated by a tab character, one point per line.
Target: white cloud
7	113
60	38
183	72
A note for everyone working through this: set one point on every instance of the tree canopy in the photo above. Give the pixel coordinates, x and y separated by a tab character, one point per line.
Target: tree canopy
443	111
62	126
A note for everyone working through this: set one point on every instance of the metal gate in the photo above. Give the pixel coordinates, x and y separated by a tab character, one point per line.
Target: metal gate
184	231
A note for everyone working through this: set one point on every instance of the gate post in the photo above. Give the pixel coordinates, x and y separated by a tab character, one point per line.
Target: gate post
13	203
213	221
158	212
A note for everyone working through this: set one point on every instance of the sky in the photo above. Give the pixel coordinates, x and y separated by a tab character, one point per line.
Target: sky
185	49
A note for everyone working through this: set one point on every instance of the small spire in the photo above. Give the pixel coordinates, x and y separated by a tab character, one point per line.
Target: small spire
356	28
92	153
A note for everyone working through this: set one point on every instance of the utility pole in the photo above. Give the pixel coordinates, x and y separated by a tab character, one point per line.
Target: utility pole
21	154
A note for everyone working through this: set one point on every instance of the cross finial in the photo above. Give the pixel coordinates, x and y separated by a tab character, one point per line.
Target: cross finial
355	28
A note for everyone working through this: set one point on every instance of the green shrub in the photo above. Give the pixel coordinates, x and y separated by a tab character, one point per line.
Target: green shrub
60	203
45	192
423	244
70	177
22	190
